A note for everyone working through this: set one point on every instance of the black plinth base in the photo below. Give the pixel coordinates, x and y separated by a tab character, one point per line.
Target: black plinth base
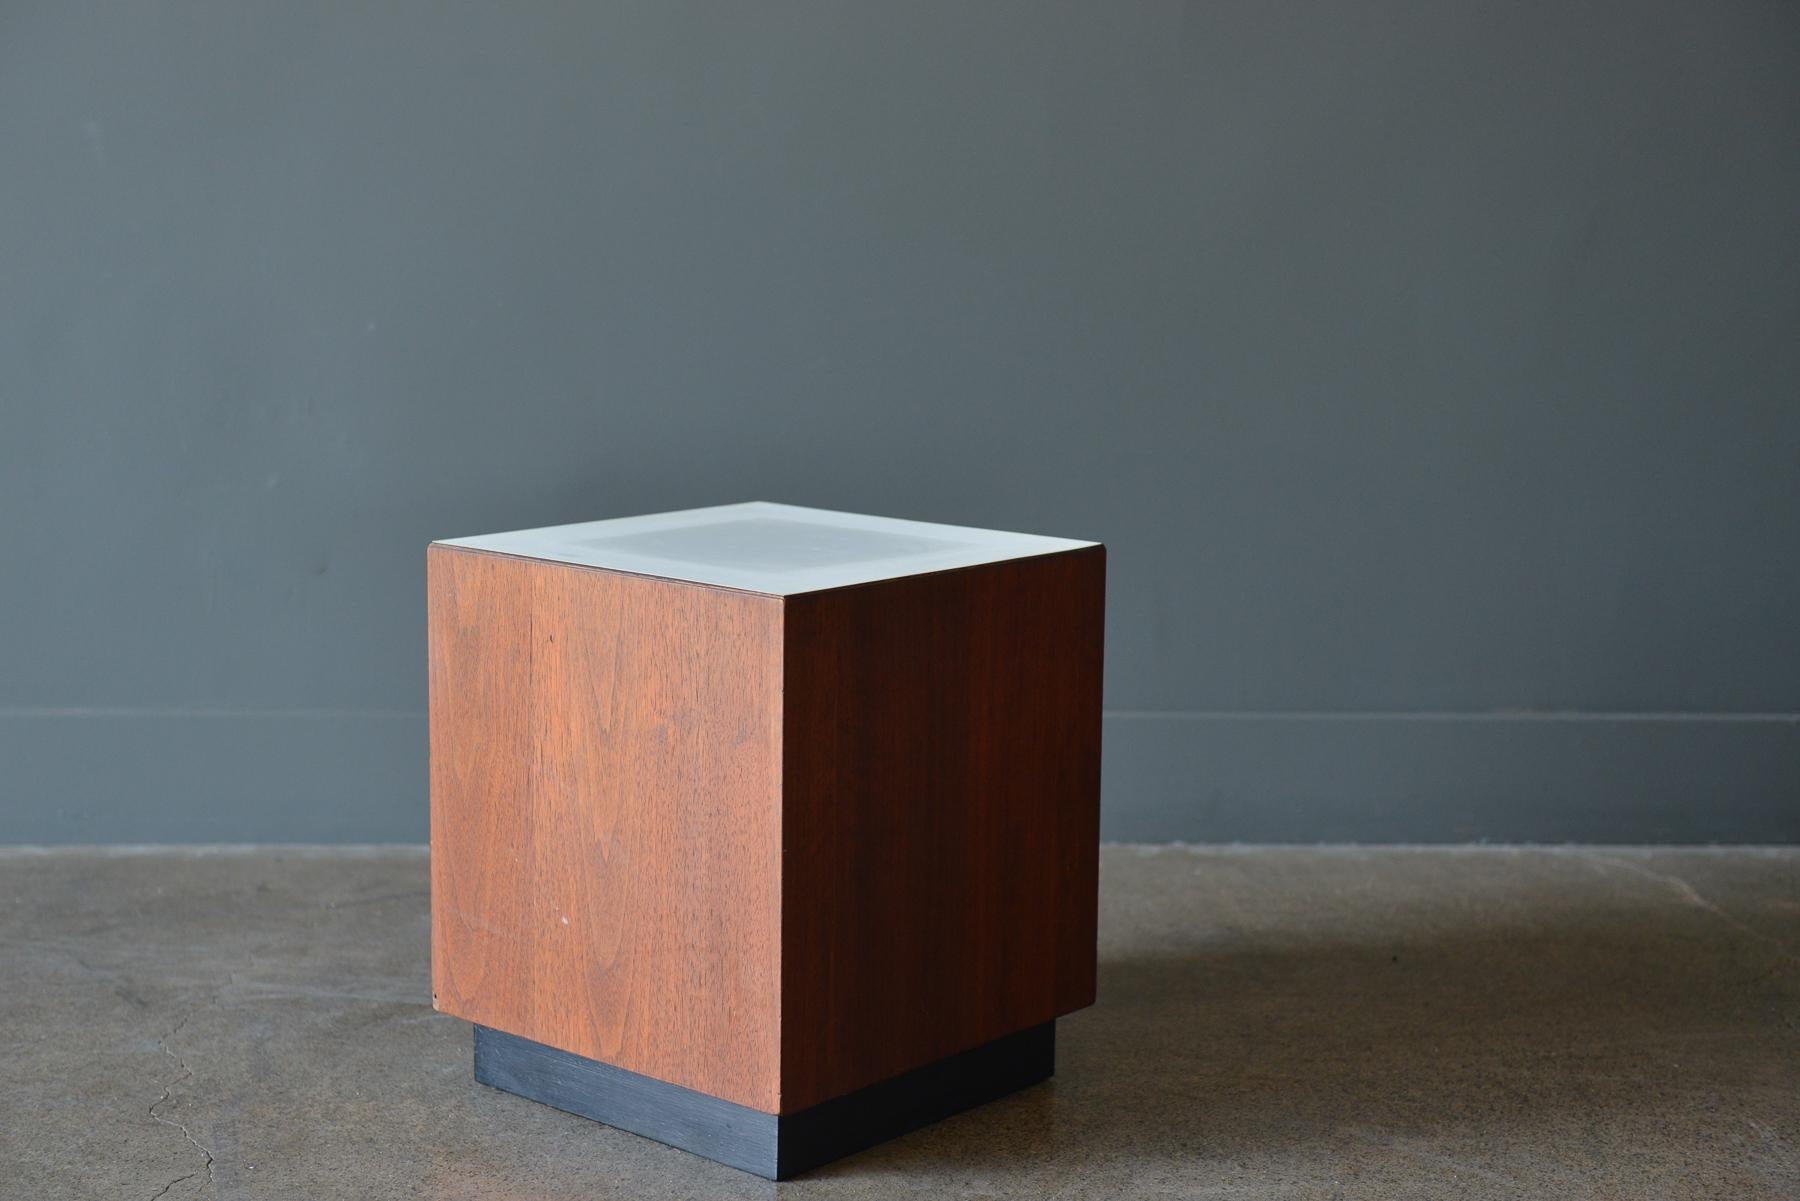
778	1147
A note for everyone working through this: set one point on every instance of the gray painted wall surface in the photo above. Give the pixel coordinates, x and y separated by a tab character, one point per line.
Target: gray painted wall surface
1430	370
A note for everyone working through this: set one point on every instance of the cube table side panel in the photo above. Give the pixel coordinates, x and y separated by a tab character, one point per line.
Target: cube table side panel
941	815
605	831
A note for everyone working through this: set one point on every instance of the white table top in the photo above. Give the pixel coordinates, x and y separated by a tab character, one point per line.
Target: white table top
781	550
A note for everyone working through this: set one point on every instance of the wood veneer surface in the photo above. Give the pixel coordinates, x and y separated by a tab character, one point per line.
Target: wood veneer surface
940	814
605	818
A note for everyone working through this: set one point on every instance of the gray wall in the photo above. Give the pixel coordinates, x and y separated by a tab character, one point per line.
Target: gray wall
1430	369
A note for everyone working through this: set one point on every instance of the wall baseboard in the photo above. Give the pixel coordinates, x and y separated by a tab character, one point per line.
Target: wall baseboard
325	776
156	776
1439	778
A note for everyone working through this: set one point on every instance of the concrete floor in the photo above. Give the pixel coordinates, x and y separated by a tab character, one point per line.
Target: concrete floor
1272	1023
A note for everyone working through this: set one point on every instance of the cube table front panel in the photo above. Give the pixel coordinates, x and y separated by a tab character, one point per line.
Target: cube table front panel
606	817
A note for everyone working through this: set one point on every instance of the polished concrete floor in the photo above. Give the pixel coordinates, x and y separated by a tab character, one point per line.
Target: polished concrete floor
1272	1023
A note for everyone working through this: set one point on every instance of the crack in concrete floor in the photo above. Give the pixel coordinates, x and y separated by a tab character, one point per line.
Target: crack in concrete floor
182	1076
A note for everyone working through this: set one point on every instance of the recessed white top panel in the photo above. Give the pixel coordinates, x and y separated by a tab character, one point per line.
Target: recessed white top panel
761	547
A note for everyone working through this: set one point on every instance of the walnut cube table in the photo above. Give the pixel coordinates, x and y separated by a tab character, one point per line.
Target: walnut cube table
766	832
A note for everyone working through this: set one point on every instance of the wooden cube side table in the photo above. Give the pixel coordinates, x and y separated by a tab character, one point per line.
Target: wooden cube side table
766	832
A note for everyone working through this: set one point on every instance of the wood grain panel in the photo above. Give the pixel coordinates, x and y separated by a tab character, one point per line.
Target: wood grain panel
479	636
605	817
940	815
